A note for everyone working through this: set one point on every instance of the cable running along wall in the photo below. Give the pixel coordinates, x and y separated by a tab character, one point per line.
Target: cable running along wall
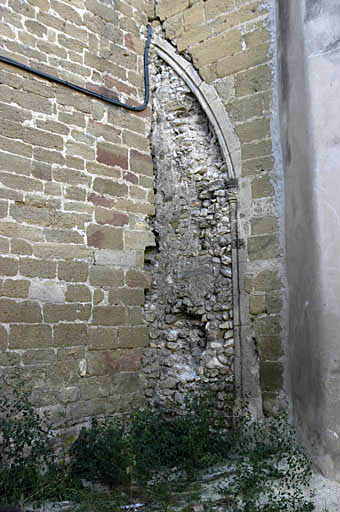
102	97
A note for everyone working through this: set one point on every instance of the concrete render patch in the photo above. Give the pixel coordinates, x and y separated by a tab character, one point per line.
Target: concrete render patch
47	291
115	258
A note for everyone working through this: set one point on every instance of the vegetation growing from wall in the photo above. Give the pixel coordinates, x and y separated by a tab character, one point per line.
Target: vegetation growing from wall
152	456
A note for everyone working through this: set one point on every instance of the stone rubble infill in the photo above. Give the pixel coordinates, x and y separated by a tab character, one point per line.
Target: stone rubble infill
189	307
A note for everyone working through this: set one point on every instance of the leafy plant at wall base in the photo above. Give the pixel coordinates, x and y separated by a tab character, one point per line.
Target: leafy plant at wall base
25	442
271	471
100	453
158	448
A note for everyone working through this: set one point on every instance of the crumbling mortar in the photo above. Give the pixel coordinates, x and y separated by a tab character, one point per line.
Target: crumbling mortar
189	307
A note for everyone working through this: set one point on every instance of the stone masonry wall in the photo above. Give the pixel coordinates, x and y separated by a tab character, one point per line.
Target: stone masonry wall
76	179
189	306
229	44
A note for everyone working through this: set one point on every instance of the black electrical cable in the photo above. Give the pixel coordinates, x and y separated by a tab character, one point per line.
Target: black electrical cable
102	97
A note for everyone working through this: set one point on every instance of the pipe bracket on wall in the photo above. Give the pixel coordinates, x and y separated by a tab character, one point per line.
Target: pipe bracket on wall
102	97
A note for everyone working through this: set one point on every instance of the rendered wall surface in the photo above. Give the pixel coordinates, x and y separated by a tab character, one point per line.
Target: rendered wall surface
310	88
76	180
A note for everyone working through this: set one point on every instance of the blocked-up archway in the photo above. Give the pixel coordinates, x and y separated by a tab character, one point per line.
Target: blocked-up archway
194	308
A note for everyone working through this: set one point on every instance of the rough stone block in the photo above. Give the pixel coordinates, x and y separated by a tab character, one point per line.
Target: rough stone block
40	356
139	239
16	288
70	176
132	337
269	347
62	251
273	302
19	312
98	296
256	149
102	338
109	315
271	376
257	165
167	8
263	225
242	61
257	304
127	296
47	291
30	336
140	163
253	80
103	276
9	359
110	187
193	36
241	110
115	258
4	245
257	37
78	293
130	360
135	207
103	362
105	216
100	200
133	140
8	266
104	237
137	279
19	246
253	130
72	353
263	247
54	313
68	335
174	26
48	156
267	326
30	267
126	383
262	187
3	338
135	316
267	281
85	409
112	155
210	51
76	271
214	8
20	182
64	236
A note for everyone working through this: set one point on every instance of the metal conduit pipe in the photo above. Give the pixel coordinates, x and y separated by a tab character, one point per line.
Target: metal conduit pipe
102	97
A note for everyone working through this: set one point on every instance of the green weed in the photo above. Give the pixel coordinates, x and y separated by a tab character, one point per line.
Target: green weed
151	456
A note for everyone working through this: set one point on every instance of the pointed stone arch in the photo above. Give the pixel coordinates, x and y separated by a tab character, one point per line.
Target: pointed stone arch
210	103
245	363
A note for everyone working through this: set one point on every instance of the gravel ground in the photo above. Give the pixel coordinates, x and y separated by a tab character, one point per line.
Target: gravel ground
327	494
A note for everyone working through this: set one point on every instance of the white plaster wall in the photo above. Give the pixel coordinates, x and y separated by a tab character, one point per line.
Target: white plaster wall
309	62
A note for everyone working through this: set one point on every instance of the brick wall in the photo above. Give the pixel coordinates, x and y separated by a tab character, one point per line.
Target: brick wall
76	188
228	42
